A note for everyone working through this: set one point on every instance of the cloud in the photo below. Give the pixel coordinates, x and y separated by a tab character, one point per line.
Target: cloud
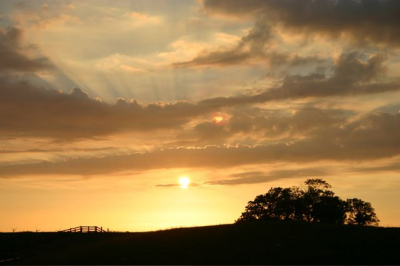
12	53
266	124
392	167
363	21
141	19
228	57
256	177
304	121
29	14
351	76
117	62
37	150
233	9
254	46
62	19
373	136
30	111
248	47
208	131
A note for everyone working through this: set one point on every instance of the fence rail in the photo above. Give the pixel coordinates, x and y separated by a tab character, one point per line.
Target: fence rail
85	229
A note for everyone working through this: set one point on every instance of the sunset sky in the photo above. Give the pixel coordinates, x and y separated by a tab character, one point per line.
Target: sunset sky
105	105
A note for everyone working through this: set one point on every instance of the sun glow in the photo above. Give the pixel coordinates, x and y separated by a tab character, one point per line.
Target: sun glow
184	182
218	119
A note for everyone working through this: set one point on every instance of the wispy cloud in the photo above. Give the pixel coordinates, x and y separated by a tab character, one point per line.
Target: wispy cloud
255	177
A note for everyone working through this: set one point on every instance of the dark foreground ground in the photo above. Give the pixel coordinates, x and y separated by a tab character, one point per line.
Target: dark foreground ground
257	243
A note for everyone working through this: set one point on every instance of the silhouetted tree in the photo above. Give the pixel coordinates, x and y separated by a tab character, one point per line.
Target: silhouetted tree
330	209
314	204
361	213
298	204
277	204
254	210
316	196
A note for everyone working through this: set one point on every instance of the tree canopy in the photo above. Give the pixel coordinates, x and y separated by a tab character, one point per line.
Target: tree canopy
316	203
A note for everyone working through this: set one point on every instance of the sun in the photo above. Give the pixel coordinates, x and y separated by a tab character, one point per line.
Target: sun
184	182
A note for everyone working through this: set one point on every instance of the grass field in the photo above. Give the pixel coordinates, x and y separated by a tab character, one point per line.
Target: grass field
253	243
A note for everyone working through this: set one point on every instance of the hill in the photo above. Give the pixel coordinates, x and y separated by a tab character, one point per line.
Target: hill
251	243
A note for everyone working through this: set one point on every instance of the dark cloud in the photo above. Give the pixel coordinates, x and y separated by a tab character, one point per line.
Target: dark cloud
253	46
238	55
305	121
217	58
12	53
250	46
373	136
268	124
57	150
391	108
256	177
235	9
30	111
351	76
364	21
207	132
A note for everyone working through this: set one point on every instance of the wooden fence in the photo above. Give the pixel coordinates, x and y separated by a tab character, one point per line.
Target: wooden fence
85	229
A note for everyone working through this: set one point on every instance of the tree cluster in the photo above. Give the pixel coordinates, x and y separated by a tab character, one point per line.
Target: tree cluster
316	203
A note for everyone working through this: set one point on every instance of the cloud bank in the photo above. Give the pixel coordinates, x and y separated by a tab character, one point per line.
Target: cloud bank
363	21
374	136
31	111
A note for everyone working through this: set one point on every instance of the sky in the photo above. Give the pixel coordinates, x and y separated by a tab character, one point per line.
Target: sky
106	105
